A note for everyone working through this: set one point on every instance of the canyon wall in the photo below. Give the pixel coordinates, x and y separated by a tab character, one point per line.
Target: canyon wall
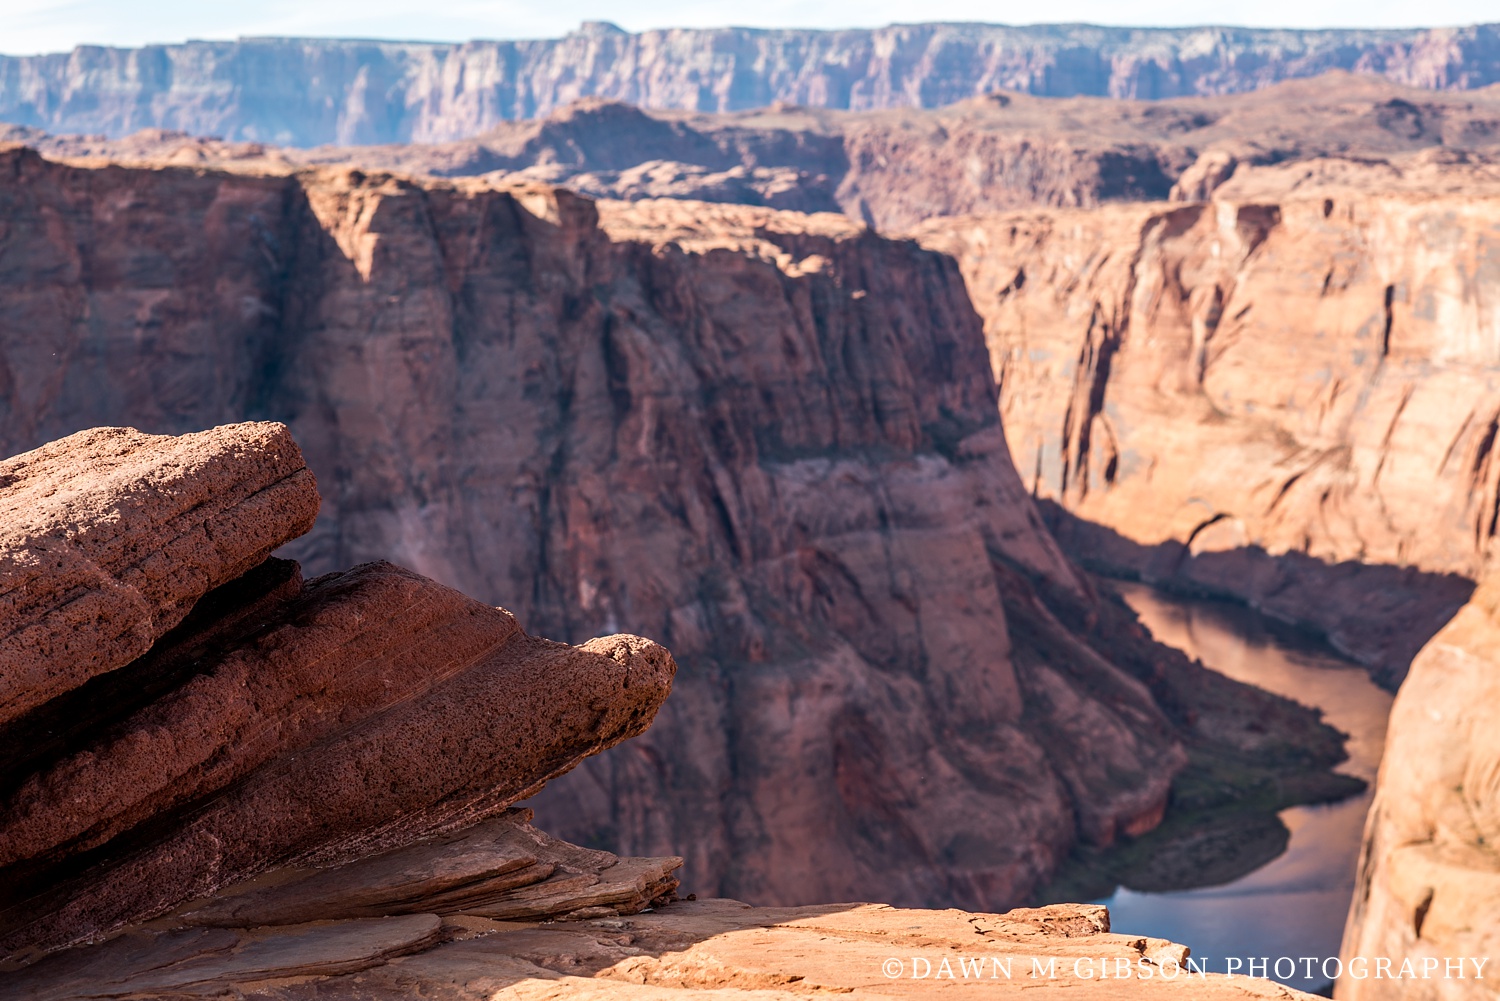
1285	393
304	92
1428	885
770	441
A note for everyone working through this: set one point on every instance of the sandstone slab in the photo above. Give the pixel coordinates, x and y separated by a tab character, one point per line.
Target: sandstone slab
712	948
109	536
501	868
395	740
263	724
350	646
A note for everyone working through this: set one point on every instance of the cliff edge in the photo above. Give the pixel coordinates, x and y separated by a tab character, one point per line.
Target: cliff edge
1428	888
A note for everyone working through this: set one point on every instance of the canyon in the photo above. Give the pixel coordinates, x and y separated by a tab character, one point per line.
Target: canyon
845	461
307	92
1281	390
1330	231
770	441
1321	329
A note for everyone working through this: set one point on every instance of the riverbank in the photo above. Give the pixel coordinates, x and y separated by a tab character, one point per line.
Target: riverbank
1252	754
1196	877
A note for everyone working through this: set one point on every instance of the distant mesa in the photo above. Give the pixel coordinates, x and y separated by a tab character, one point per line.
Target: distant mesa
600	28
310	92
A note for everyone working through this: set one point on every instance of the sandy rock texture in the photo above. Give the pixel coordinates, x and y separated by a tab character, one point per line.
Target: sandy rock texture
501	868
1284	393
709	948
108	537
372	708
1429	874
305	92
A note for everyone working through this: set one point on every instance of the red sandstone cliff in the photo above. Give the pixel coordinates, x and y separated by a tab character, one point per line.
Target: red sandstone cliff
1287	393
773	445
1429	873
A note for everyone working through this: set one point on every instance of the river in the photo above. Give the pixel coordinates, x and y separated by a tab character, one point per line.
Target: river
1294	905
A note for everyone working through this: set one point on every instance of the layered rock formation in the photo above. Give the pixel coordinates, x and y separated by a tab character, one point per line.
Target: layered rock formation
278	724
1285	393
891	169
1274	386
769	440
896	169
719	948
299	789
304	92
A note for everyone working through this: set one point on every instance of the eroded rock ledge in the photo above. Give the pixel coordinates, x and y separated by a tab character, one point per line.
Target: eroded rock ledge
184	715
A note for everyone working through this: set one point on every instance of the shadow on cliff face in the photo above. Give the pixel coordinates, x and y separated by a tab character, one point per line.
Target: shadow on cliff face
1375	614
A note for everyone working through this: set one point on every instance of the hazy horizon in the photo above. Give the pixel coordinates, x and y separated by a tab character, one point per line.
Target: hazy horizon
47	26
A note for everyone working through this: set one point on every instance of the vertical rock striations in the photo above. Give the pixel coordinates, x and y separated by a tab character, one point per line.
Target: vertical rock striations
306	92
1428	890
1284	393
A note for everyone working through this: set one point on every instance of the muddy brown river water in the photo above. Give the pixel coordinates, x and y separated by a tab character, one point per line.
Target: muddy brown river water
1293	906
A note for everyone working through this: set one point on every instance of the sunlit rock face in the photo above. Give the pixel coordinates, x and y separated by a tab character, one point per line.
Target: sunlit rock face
721	948
306	92
1429	873
1265	393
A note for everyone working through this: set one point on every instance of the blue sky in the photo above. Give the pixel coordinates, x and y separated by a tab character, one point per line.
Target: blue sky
54	25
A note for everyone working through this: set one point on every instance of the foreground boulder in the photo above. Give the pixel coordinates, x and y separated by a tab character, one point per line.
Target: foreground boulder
282	722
